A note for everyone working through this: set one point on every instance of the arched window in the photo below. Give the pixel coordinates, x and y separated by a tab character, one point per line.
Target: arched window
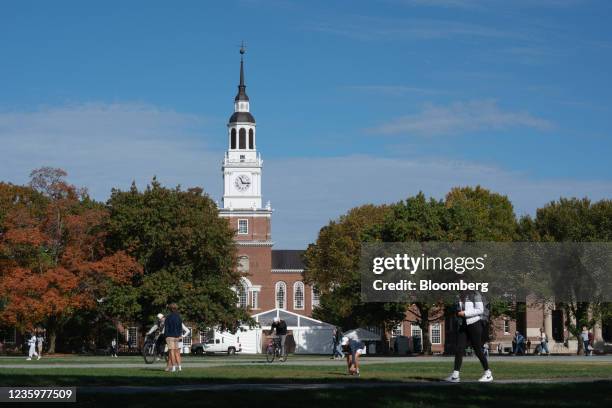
243	295
298	295
242	139
251	139
233	143
281	295
242	291
316	296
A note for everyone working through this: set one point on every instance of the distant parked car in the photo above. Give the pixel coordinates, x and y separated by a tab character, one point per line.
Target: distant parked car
218	342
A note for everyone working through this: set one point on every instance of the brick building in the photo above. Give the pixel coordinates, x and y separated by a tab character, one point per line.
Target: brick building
272	278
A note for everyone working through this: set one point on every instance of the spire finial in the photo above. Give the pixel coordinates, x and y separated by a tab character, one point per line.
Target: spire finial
242	87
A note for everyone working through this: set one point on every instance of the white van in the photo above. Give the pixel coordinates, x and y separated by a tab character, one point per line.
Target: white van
214	341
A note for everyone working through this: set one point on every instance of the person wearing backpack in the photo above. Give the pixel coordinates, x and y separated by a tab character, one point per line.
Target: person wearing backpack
469	311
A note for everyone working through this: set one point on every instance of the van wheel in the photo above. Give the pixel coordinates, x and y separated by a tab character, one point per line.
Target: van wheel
231	351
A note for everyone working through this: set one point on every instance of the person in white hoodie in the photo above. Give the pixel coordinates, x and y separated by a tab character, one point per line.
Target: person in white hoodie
470	309
32	348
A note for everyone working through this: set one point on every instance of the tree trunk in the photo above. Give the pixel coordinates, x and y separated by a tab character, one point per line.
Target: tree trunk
51	333
52	338
426	338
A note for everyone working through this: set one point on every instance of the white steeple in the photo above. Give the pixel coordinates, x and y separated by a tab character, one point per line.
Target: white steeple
242	164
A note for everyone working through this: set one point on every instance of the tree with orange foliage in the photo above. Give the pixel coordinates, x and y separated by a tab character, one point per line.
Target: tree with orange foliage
53	258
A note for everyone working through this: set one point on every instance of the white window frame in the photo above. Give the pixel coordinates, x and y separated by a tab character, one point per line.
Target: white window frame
187	340
298	285
398	330
255	299
132	342
507	325
245	222
241	291
278	285
437	327
316	297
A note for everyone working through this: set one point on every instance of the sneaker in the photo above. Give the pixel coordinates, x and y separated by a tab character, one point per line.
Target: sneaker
38	358
453	378
29	359
486	377
179	368
173	369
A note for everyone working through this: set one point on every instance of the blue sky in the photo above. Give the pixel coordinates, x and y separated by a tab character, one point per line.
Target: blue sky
355	101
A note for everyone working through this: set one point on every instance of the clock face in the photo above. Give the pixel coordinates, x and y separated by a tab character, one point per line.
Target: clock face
242	182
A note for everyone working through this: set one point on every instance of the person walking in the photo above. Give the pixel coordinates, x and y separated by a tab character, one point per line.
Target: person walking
39	343
337	347
543	342
184	333
114	347
470	309
173	329
32	347
585	340
158	327
518	344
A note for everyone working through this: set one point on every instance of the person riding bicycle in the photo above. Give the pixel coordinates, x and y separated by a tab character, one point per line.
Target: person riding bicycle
352	349
159	328
280	327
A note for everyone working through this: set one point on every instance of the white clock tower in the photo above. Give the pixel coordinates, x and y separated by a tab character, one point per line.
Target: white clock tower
241	164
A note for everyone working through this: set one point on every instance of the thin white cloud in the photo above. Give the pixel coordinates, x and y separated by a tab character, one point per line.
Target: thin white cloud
368	28
104	146
396	90
461	117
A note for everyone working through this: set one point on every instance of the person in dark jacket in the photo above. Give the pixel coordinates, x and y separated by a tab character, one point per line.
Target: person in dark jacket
280	327
336	340
173	330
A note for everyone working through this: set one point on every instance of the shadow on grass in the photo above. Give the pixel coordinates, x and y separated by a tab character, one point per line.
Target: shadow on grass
587	395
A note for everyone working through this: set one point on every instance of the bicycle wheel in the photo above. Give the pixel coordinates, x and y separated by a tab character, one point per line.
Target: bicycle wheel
148	352
282	357
270	354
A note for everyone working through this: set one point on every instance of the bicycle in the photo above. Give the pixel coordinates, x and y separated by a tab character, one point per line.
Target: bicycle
274	350
152	351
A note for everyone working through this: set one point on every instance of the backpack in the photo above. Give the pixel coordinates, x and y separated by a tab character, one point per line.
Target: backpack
486	313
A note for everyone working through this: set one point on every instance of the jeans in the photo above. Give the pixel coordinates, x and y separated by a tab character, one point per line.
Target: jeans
544	347
283	337
338	350
586	347
473	333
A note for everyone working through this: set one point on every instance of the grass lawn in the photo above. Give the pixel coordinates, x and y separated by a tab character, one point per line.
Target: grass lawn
596	395
287	373
418	391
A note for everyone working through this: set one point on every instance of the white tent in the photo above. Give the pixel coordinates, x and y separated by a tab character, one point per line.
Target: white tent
311	336
362	335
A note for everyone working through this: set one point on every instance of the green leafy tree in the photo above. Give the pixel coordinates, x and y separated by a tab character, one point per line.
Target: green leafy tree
576	220
186	250
332	265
